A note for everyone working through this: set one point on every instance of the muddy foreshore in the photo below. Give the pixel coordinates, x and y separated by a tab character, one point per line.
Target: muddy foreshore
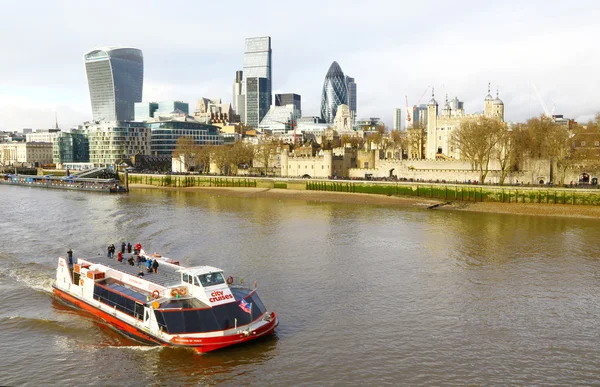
560	210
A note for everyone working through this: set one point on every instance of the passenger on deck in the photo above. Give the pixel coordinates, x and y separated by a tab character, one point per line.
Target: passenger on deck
138	247
131	261
123	247
149	265
112	250
108	251
141	273
70	256
155	265
128	248
120	256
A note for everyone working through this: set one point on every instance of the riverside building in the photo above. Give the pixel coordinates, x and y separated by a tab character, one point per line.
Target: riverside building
115	79
28	153
166	132
71	147
112	142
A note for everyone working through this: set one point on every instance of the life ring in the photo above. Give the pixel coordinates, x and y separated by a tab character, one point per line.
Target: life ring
174	293
182	291
229	280
155	294
81	282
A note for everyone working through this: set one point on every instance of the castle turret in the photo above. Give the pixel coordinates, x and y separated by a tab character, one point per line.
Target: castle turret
488	104
284	162
498	107
447	111
432	115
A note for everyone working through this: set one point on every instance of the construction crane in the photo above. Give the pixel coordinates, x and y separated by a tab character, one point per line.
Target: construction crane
408	113
537	92
422	95
293	124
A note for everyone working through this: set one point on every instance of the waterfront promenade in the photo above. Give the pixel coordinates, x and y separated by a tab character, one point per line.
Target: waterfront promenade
459	196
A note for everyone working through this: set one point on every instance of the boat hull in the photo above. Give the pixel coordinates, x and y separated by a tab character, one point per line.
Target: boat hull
202	345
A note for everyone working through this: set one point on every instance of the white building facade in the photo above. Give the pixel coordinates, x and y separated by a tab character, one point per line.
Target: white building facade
25	153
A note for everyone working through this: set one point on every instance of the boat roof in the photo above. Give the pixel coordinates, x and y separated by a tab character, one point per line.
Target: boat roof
167	275
196	270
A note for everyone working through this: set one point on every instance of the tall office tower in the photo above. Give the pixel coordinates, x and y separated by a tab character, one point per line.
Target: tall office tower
351	86
238	99
335	92
257	100
289	99
257	62
115	78
397	119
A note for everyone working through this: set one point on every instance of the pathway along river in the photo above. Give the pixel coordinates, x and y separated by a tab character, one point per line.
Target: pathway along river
367	295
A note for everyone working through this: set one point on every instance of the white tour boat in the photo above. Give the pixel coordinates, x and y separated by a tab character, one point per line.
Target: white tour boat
197	307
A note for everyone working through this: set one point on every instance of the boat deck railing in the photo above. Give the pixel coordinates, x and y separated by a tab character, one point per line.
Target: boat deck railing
166	275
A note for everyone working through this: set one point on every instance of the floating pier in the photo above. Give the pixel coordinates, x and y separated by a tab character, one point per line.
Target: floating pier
65	182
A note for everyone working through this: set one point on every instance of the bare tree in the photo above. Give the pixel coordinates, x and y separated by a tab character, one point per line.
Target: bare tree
240	153
220	156
416	140
264	151
187	151
548	140
477	138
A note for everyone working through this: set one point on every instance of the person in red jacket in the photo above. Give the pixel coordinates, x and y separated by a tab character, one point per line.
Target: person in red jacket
120	256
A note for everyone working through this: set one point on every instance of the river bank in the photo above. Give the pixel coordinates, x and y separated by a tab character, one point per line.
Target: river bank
537	209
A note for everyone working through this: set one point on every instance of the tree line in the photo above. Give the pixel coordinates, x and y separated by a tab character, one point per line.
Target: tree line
481	140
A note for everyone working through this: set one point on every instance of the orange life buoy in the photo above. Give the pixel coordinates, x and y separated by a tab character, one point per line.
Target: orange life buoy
81	282
174	293
182	291
230	280
155	294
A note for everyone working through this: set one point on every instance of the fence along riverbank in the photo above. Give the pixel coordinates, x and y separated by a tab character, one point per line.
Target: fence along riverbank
440	191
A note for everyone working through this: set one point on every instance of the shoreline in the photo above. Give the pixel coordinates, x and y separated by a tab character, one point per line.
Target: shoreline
535	209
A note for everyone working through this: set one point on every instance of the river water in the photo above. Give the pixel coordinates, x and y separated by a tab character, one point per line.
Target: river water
366	294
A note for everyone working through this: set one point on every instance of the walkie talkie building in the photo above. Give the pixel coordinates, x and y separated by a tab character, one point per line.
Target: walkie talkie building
115	79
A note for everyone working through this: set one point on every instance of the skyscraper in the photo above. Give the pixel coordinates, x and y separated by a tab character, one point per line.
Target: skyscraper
257	100
397	119
335	92
257	62
351	86
289	99
115	79
238	98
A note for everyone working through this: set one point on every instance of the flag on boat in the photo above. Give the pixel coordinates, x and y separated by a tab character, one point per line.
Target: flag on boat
246	306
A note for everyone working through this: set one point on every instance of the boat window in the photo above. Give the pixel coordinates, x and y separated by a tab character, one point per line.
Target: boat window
186	277
176	318
196	282
211	279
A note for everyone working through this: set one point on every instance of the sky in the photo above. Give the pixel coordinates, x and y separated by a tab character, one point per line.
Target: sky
394	50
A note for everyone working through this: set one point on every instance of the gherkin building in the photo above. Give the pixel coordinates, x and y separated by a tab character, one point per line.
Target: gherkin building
335	92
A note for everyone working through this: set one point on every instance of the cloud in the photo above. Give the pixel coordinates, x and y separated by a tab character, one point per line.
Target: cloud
392	49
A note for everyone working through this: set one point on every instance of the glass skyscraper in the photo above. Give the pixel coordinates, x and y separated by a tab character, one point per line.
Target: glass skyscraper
115	80
257	65
257	100
334	94
351	86
289	99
